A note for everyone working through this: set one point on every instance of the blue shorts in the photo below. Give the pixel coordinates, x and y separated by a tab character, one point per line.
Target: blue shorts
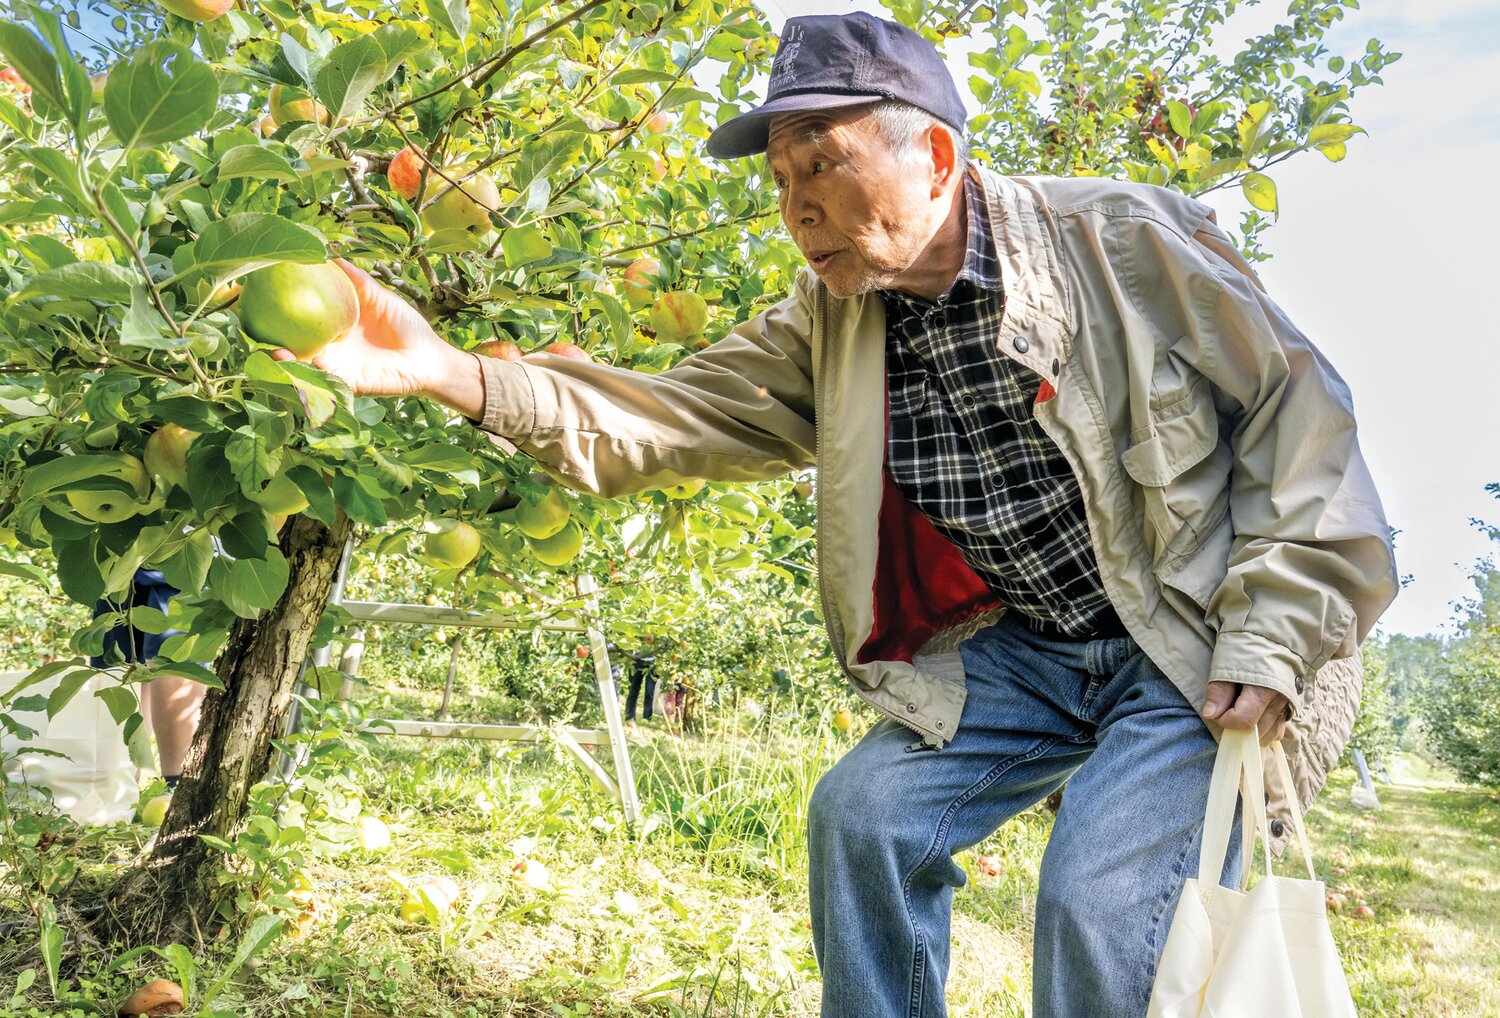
149	589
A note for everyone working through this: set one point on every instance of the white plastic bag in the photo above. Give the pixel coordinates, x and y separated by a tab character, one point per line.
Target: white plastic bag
94	782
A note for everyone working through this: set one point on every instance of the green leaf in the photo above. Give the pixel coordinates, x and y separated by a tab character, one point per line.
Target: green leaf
251	458
1180	118
524	244
160	94
121	701
1260	191
351	72
241	243
262	932
246	536
191	671
101	281
67	471
1325	133
187	567
250	586
451	15
259	161
29	56
1253	128
25	571
320	504
357	503
66	689
144	326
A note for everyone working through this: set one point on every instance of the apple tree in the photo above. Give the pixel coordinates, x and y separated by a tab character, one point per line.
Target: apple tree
175	179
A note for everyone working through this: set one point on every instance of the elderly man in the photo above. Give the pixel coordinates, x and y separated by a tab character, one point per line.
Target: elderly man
1085	496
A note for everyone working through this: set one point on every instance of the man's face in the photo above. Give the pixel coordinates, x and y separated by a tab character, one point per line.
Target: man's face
860	211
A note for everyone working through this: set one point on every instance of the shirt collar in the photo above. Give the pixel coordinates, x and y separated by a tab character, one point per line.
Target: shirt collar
981	265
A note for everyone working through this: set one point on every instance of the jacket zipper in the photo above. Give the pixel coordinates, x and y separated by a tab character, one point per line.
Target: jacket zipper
830	617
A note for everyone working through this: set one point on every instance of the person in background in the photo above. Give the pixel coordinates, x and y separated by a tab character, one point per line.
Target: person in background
642	673
169	703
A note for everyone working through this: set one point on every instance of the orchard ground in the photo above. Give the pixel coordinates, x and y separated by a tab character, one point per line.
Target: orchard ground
703	910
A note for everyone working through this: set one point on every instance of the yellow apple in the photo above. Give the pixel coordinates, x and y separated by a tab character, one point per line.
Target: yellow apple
450	544
679	316
280	497
545	518
155	810
561	548
843	720
468	209
197	10
165	455
300	307
640	281
288	105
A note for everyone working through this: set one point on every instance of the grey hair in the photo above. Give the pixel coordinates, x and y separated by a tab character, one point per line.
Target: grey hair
902	124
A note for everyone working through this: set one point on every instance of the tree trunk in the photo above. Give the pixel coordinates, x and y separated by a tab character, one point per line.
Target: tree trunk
171	895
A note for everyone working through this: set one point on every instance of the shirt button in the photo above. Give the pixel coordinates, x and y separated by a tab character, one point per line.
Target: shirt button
998	481
1277	828
967	399
1020	344
1064	609
939	321
911	708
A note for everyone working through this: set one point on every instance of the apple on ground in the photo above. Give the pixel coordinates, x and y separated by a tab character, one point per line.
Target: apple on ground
843	720
450	544
198	10
640	281
679	316
988	866
543	519
561	548
165	455
1364	912
300	307
455	209
500	349
155	810
405	173
533	873
374	835
441	891
113	506
158	997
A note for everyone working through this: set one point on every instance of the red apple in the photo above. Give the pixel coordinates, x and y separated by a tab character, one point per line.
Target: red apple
9	76
405	173
640	281
581	651
500	349
988	866
571	350
657	124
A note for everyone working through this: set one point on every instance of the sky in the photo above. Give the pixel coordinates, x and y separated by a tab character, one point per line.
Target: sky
1383	261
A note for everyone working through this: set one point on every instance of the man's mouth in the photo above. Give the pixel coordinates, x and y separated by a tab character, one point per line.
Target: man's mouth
818	259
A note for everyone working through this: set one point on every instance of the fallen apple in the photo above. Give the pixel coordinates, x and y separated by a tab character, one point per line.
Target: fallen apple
545	518
561	548
300	307
455	209
843	720
405	173
533	873
374	835
987	866
165	455
679	316
158	997
155	810
197	10
450	544
1364	912
640	281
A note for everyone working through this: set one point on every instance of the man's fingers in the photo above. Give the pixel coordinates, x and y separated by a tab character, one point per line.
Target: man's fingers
1248	708
1220	696
283	354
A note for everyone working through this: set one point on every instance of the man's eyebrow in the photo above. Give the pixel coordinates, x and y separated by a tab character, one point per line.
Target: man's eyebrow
812	134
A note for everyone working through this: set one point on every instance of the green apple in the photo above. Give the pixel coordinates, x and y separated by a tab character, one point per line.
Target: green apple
281	497
165	455
453	209
684	490
561	548
300	307
112	506
155	810
640	281
679	316
450	544
197	10
543	519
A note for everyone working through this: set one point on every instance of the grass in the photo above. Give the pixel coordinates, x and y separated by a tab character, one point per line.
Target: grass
703	910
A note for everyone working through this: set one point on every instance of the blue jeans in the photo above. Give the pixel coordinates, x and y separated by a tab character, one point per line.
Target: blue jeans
885	821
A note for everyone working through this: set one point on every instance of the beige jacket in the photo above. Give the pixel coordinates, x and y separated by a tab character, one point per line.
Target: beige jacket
1238	533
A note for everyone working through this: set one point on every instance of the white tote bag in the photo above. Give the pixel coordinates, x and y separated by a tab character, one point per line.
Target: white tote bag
1265	953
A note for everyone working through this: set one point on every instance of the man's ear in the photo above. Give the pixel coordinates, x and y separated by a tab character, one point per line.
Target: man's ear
944	158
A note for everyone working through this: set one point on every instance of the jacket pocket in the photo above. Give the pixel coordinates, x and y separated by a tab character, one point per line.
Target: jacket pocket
1182	470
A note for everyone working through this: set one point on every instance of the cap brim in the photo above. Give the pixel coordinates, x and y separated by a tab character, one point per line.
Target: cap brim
748	133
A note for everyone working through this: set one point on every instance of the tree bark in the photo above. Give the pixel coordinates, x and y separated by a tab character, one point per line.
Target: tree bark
171	895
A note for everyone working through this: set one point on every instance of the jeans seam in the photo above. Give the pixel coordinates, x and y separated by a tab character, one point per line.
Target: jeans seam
1153	956
919	954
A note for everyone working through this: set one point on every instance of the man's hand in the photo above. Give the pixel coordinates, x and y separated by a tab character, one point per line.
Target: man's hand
1233	705
392	351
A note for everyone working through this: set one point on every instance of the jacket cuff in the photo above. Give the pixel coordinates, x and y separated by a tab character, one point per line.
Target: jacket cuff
509	401
1253	660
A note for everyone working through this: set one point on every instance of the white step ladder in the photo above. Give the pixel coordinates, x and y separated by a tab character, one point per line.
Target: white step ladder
620	786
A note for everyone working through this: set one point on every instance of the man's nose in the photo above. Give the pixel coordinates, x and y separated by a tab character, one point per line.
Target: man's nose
799	209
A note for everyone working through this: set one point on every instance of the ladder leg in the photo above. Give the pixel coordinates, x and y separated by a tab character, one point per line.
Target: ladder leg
609	700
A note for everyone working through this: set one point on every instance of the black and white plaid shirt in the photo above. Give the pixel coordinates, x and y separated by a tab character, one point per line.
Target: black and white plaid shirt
965	449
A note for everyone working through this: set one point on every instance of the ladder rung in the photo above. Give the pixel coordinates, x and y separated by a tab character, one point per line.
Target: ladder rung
495	733
441	615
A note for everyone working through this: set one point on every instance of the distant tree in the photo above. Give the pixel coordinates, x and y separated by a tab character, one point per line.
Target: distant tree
1374	734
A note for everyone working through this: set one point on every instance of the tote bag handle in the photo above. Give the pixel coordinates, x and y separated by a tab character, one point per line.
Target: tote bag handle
1237	766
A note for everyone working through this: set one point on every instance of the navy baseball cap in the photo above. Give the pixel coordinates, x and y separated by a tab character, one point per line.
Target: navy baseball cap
827	61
